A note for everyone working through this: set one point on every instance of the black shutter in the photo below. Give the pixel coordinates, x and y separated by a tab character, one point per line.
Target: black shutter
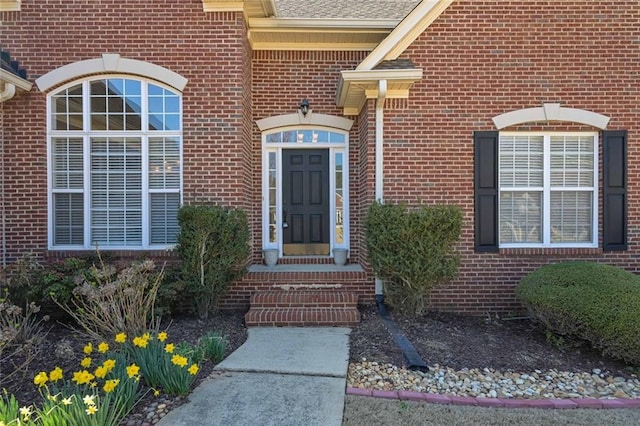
485	145
614	212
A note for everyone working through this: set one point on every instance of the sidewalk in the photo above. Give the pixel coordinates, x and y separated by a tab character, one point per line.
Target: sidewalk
279	376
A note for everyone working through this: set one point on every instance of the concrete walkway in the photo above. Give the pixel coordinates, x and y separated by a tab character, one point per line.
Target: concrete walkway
279	376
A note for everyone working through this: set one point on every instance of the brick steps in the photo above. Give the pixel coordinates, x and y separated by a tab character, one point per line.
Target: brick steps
303	308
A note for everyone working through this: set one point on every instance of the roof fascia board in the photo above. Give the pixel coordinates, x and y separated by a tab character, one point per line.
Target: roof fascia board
9	78
10	5
322	24
406	32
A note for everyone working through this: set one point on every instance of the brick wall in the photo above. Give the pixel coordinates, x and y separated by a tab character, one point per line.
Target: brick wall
482	59
209	49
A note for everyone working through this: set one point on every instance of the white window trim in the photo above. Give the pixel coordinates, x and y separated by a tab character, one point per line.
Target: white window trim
546	203
86	136
333	149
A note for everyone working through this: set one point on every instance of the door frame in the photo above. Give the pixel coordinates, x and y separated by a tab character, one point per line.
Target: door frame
272	153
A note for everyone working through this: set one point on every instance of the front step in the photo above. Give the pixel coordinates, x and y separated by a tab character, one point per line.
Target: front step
303	308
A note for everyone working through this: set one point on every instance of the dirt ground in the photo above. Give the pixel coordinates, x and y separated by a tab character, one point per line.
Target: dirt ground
449	340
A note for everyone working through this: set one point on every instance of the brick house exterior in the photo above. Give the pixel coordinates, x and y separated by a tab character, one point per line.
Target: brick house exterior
508	109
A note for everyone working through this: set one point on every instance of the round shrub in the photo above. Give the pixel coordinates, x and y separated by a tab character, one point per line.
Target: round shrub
594	302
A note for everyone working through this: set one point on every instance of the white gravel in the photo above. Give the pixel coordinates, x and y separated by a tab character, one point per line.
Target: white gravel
490	383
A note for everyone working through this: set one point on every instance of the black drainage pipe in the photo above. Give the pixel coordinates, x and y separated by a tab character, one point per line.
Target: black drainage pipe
411	356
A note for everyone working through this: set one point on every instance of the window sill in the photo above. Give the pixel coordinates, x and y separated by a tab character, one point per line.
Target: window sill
551	251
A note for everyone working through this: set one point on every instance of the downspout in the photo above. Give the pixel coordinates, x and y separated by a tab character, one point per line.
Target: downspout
8	92
379	166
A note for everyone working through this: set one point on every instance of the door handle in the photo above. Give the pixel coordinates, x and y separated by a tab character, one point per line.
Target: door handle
284	219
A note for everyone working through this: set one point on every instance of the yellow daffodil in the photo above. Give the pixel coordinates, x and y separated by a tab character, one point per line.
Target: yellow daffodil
103	347
53	398
101	372
40	379
133	370
169	347
66	401
82	377
89	400
110	385
179	360
193	370
121	338
156	392
162	336
109	364
140	342
88	348
91	410
86	362
55	374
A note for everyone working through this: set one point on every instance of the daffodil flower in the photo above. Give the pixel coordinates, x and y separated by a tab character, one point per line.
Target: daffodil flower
121	338
40	379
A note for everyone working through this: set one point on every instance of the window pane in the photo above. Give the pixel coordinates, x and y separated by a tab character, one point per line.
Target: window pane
164	163
521	161
339	200
520	217
68	219
571	216
66	109
116	192
164	218
67	163
115	105
572	161
164	109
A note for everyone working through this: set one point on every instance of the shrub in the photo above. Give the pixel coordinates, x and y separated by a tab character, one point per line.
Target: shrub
108	302
214	248
412	251
21	332
593	302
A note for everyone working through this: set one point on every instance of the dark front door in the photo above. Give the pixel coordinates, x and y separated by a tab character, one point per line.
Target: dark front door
305	201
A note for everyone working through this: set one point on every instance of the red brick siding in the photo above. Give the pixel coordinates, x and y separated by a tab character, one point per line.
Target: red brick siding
482	59
209	49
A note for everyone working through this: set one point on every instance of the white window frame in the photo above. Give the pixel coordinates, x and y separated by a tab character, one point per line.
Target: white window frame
546	193
333	148
86	134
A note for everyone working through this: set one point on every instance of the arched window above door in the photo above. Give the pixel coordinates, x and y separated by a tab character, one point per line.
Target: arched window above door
305	136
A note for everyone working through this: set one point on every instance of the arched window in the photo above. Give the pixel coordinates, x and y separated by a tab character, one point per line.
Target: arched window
115	163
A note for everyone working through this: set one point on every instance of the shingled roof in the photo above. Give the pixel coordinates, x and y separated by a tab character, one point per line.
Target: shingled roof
340	9
13	67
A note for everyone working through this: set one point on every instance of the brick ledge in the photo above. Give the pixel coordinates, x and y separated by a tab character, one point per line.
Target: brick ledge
555	403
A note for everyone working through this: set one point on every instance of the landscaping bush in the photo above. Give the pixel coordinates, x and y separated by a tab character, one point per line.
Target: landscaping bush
108	301
593	302
214	248
412	251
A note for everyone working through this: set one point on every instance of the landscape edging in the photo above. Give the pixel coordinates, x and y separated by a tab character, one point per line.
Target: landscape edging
556	403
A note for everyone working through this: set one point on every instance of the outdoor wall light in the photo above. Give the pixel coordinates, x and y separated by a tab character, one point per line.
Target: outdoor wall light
304	107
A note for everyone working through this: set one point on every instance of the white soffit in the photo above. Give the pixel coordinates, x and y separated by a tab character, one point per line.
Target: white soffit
355	87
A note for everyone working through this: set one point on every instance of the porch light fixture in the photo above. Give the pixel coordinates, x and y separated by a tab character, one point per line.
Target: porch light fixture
304	107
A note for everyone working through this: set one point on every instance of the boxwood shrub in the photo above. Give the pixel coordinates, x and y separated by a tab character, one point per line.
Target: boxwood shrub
594	302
